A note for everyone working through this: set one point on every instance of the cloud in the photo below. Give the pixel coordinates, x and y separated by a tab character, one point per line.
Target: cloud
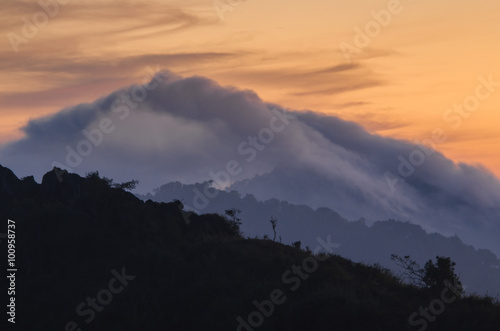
76	77
340	89
190	130
307	80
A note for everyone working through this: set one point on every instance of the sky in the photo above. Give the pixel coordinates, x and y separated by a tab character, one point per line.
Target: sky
402	78
380	109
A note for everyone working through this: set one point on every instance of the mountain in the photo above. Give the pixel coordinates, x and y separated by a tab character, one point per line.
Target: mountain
93	256
192	129
479	268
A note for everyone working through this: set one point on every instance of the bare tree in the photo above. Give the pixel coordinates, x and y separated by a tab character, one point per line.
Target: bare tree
413	272
274	221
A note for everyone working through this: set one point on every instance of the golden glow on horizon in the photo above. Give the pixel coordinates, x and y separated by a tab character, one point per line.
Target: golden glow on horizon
426	59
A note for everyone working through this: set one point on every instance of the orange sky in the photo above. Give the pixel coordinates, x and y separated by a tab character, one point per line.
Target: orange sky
426	58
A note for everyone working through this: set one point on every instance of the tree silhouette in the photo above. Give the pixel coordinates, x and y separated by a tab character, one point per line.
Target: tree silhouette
233	219
274	221
130	185
413	273
434	276
440	274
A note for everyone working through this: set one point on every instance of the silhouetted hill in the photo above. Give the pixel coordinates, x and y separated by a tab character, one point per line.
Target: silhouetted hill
88	251
479	268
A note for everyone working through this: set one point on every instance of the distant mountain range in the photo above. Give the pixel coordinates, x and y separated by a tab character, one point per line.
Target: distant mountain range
479	268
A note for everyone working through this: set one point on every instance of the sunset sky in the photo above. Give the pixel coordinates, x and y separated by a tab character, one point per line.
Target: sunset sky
428	57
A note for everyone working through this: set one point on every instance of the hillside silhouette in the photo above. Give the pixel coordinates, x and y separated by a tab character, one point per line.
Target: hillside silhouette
479	269
184	271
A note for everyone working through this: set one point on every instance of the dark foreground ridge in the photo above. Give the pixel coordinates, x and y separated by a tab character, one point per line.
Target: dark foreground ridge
94	257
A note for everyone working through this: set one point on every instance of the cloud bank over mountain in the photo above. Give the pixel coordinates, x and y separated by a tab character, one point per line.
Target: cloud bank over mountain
192	129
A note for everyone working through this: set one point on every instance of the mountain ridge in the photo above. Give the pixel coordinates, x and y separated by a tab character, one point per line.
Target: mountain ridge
373	243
